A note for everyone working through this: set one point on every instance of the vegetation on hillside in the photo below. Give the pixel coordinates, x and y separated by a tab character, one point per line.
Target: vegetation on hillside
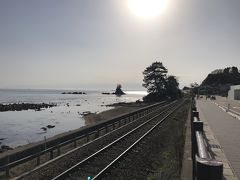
229	75
218	82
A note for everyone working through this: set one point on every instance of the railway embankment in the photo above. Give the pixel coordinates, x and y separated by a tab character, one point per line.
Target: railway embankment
159	154
25	158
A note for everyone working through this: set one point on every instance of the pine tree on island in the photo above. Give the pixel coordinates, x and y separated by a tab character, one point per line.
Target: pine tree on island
118	90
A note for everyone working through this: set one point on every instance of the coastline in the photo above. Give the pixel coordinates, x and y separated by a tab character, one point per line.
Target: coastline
119	109
19	128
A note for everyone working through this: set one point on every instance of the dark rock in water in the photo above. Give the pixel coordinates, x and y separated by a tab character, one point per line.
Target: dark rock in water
50	126
75	92
1	139
118	90
44	128
78	104
106	93
24	106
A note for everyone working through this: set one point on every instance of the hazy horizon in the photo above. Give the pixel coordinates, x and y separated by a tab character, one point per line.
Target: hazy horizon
76	89
93	44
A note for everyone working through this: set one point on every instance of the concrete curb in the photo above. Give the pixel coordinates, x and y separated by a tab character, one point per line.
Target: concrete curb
187	164
230	112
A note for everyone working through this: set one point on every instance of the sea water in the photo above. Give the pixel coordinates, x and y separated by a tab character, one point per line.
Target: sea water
23	127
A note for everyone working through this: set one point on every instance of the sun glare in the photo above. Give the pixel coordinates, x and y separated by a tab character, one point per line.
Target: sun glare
147	8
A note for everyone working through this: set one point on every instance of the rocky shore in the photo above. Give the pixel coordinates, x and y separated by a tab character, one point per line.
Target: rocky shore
90	119
24	106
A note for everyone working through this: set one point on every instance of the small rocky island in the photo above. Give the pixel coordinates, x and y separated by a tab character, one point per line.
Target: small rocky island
117	92
74	92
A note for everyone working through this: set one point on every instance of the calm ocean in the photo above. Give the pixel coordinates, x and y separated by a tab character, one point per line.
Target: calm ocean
23	127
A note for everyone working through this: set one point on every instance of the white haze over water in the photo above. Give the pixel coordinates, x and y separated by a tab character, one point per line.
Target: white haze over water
23	127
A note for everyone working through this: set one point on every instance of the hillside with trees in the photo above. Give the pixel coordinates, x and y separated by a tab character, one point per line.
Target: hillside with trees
229	75
219	81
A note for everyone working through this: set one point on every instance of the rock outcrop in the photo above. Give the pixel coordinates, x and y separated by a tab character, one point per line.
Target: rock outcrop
24	106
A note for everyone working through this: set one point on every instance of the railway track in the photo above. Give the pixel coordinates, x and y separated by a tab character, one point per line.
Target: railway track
99	163
95	158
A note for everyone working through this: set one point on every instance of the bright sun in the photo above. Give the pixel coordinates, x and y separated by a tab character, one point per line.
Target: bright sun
147	8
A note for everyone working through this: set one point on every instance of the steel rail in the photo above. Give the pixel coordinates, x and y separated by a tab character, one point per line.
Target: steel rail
134	144
52	148
29	157
73	168
163	105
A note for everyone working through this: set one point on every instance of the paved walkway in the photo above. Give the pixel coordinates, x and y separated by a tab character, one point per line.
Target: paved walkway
222	128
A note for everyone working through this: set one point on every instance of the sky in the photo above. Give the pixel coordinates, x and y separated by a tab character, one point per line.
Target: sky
96	44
